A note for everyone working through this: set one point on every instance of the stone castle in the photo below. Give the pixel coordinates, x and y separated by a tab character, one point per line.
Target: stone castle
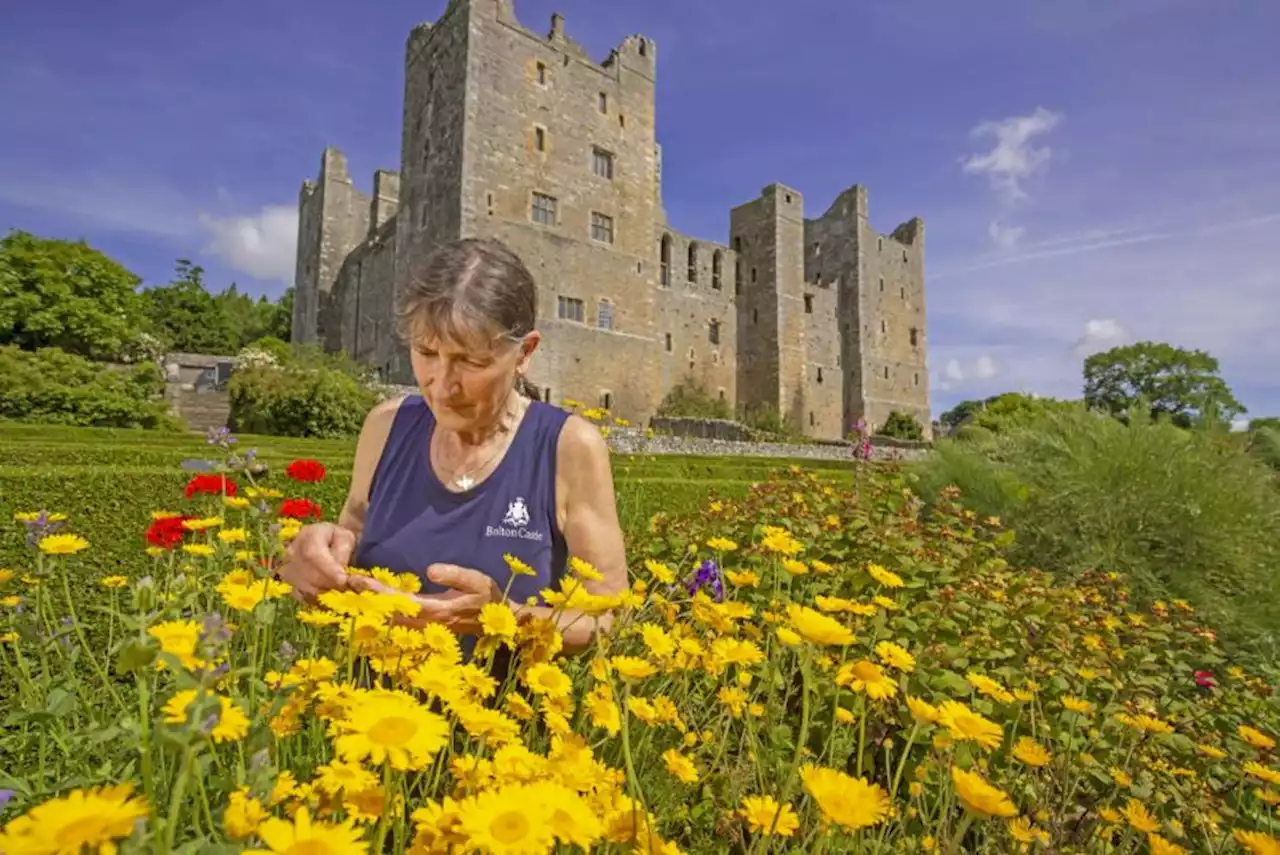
510	134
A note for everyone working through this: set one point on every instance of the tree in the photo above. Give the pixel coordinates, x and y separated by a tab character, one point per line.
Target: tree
1181	384
187	317
962	411
64	294
901	425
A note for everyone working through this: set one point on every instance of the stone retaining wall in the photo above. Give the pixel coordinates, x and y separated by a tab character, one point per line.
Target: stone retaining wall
633	441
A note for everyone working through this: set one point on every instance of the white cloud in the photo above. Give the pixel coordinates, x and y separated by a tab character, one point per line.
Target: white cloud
1100	334
984	368
1004	236
1013	157
262	245
954	373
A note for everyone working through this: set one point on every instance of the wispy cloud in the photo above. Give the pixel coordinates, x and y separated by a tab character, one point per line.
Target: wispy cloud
262	244
1014	157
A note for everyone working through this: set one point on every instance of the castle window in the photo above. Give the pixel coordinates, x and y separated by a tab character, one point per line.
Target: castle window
713	332
601	227
886	372
542	74
606	400
721	394
753	274
546	394
817	248
544	209
880	243
604	315
602	102
915	337
539	139
622	121
904	256
693	262
717	262
737	276
668	342
811	418
737	244
902	292
422	215
788	198
755	315
665	260
602	163
808	304
884	327
644	47
819	374
881	284
569	309
916	378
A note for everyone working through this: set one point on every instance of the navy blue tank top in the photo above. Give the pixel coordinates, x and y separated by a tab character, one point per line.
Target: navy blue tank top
414	521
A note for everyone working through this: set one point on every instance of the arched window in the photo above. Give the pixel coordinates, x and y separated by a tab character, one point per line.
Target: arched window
693	262
665	260
717	262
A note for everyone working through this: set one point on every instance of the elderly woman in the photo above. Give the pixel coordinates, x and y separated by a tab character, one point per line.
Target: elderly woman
455	482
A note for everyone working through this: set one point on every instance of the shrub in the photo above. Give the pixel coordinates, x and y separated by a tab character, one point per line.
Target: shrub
1264	444
1180	513
292	401
51	386
689	400
901	425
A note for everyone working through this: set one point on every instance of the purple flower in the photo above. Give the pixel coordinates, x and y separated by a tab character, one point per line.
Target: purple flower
708	575
5	796
214	630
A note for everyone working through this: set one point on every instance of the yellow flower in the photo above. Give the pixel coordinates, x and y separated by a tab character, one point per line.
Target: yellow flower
1139	818
62	544
1031	752
885	577
794	567
509	821
989	687
818	628
178	638
1077	705
895	656
742	578
722	544
788	636
964	723
244	814
980	797
517	567
633	667
231	724
497	620
114	581
549	680
680	766
302	834
391	727
865	676
11	602
233	535
338	776
202	524
34	516
1262	773
1161	846
202	550
1254	842
660	572
1121	777
584	570
1145	723
1256	738
849	802
92	819
922	711
765	816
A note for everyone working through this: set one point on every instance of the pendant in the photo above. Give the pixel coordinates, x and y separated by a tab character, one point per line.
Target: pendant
465	482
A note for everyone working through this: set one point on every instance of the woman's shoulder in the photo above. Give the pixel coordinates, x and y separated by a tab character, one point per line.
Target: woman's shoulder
580	441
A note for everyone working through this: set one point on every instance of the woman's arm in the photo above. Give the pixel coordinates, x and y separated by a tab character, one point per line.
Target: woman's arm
587	512
373	438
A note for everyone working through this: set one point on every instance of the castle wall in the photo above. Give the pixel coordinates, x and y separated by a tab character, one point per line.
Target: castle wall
360	317
306	284
555	143
697	318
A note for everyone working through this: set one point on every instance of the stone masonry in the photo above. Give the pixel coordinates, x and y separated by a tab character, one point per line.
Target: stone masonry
510	134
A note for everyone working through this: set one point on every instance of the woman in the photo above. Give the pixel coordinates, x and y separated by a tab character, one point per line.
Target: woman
448	482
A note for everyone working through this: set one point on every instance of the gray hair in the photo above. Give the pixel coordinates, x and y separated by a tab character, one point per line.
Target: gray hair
468	286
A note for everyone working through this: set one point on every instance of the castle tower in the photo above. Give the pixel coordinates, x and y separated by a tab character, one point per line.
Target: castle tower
333	219
768	236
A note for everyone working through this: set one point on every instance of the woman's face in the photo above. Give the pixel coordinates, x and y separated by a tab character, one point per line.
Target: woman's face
466	382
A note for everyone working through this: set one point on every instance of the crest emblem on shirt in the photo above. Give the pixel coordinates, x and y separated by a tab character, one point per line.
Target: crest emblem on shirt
517	514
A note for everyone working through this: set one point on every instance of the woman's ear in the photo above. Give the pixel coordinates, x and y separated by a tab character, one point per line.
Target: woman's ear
527	347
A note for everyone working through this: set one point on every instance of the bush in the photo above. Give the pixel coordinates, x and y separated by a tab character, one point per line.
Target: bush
1264	444
51	386
302	402
901	425
1183	514
689	400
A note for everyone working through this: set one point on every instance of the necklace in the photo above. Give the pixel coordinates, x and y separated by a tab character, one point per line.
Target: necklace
465	481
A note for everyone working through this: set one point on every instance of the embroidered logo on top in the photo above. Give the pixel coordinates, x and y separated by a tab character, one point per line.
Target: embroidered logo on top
515	523
517	513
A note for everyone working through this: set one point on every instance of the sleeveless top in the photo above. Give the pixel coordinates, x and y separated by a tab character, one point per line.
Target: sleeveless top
413	520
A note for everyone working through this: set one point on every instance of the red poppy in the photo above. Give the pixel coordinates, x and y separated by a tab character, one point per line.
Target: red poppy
305	470
166	533
299	509
1204	679
210	485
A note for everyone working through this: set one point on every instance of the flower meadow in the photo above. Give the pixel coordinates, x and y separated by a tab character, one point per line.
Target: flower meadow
809	668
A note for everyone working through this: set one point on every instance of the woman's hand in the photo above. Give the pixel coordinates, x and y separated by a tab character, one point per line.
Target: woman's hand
457	608
316	560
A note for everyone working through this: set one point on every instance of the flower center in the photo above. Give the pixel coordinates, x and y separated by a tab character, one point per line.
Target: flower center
309	847
509	827
393	730
82	831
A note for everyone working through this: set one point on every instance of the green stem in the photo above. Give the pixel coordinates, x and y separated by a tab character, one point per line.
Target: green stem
960	832
84	643
175	799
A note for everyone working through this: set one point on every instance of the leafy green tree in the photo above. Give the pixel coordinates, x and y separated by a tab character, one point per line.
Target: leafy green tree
187	317
1272	422
689	400
68	295
962	411
1170	381
251	320
901	425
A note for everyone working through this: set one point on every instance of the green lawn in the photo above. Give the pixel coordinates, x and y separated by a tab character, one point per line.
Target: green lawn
109	481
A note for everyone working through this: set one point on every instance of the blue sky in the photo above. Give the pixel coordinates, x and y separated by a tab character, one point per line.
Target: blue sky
1089	173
